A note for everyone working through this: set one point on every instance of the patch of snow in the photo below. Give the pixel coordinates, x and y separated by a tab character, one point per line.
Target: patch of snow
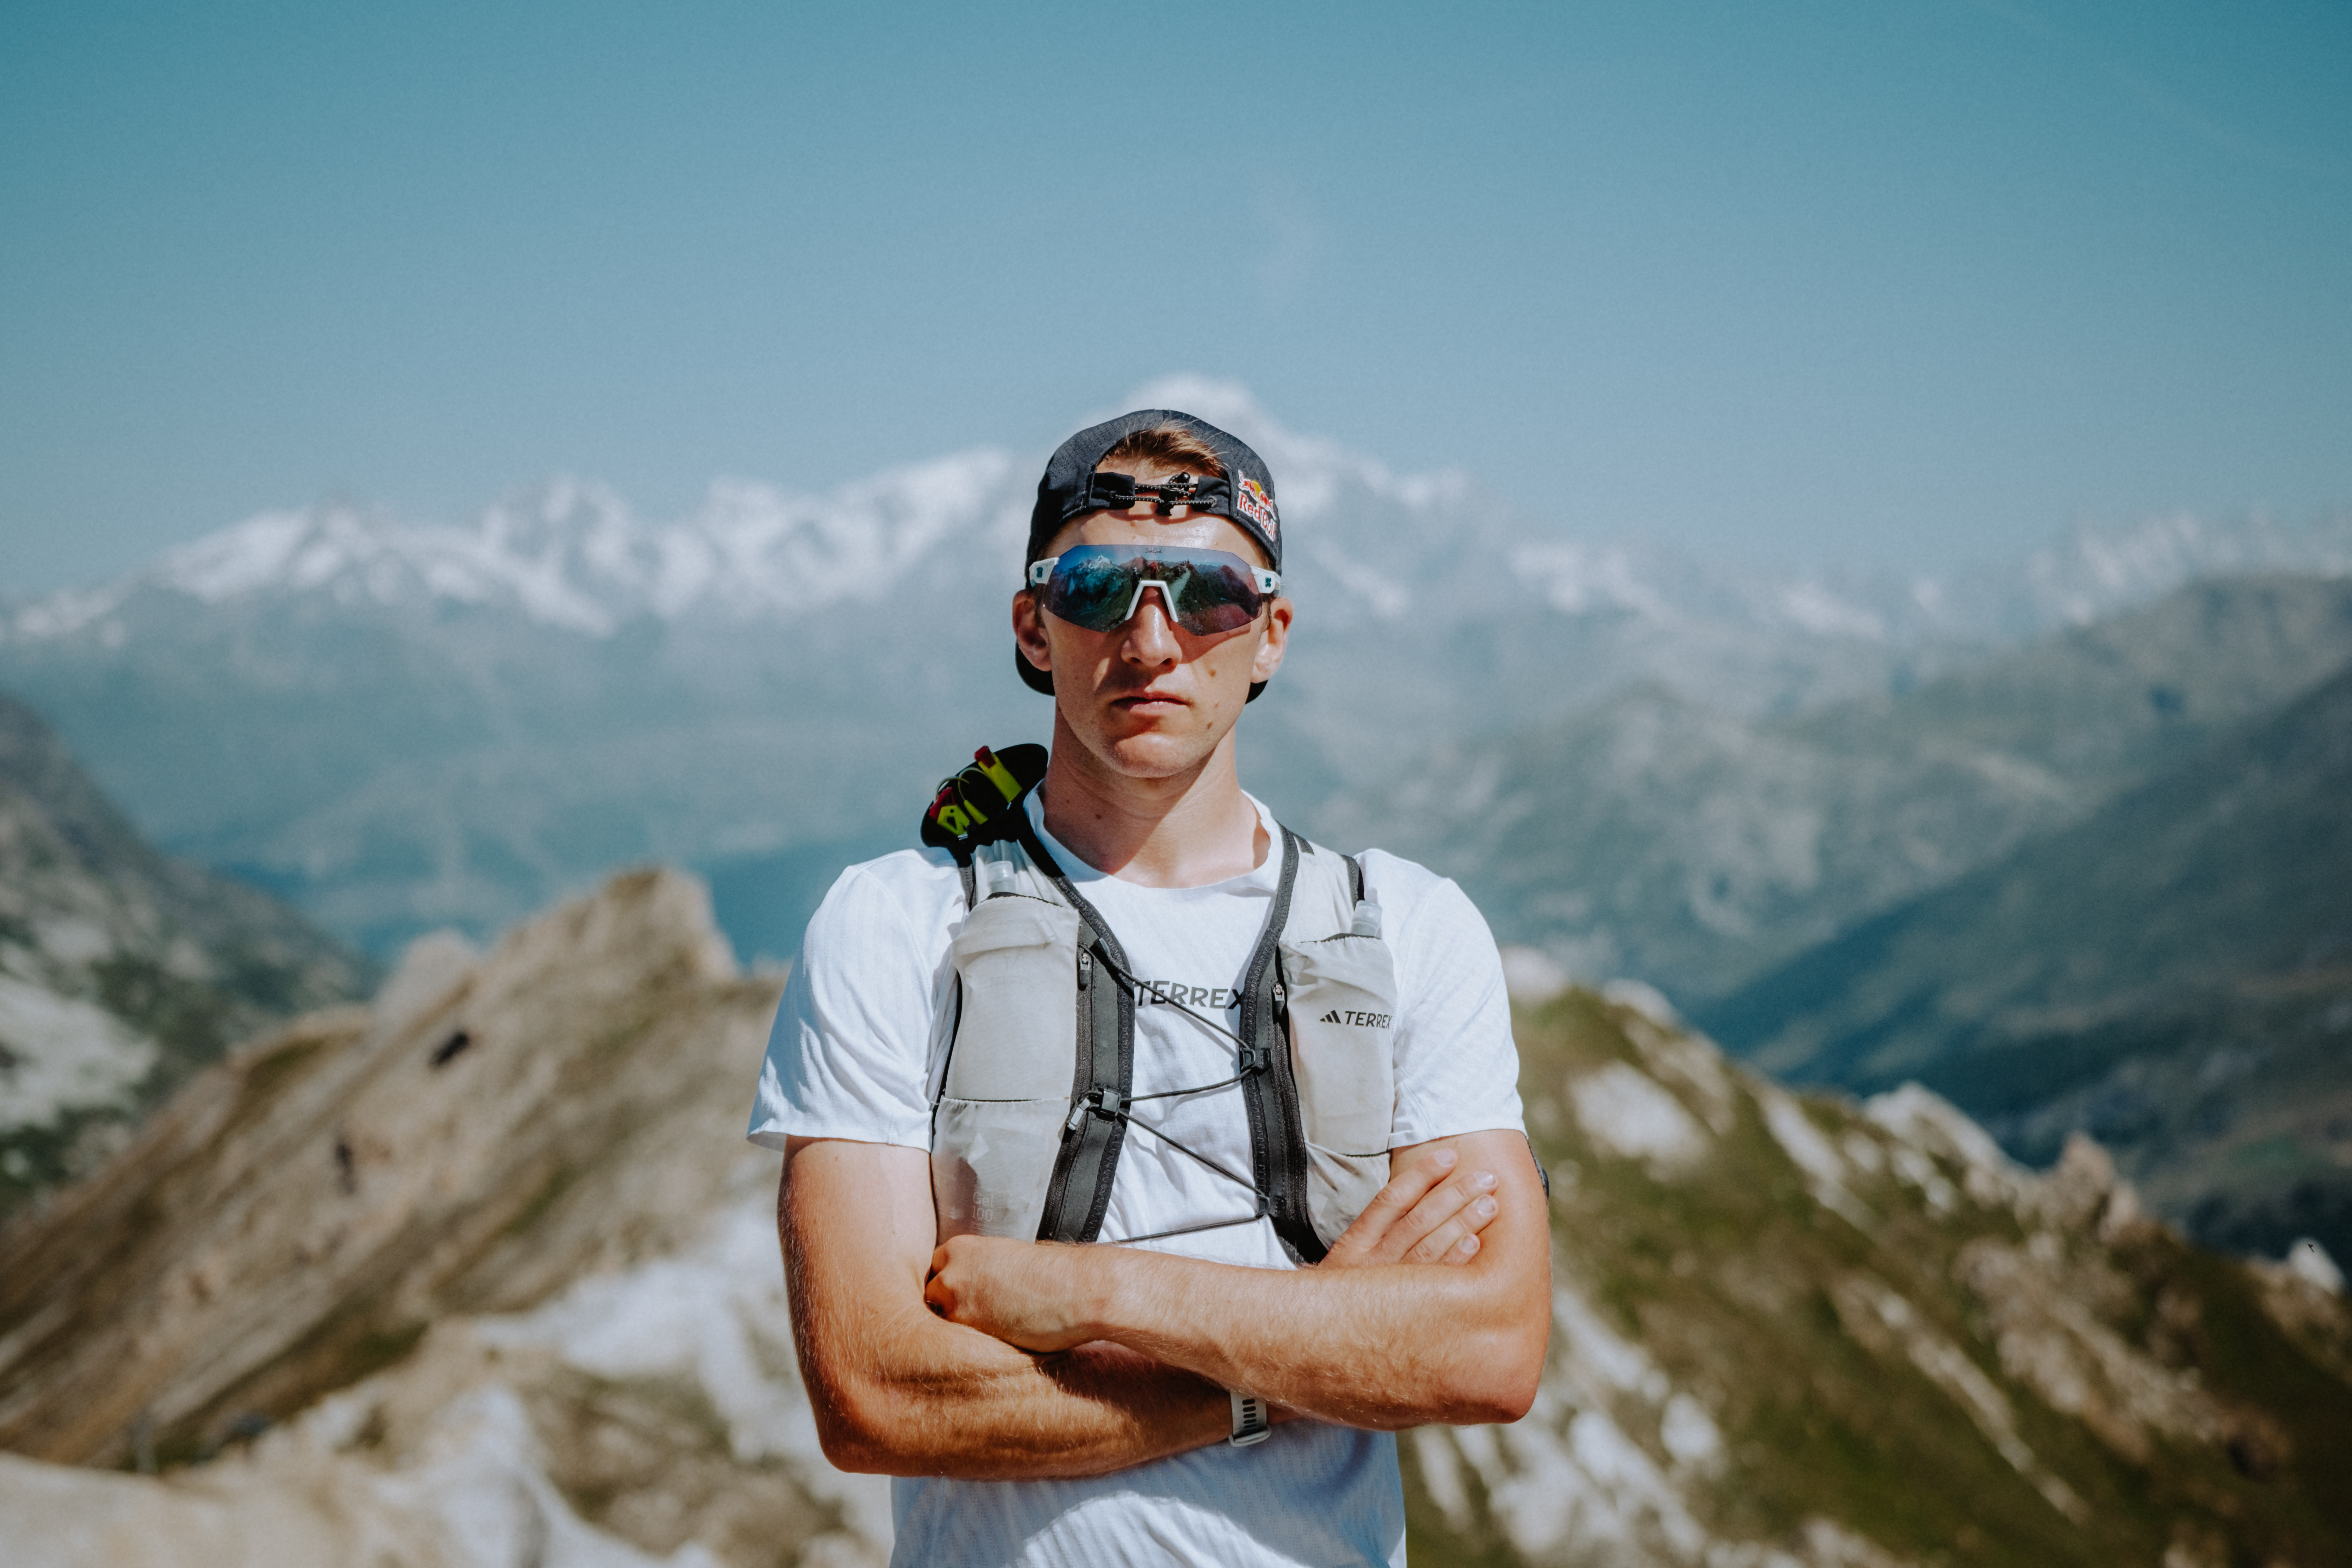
1809	1150
63	1053
1933	1125
1690	1434
1388	599
479	1475
1830	1545
1577	579
2100	570
1629	1113
1310	472
73	941
1818	610
2308	1260
1862	1152
239	558
63	613
714	1315
1645	999
474	1496
1593	1359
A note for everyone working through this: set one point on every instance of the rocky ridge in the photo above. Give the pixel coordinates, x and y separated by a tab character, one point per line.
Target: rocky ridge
484	1275
121	971
1791	1330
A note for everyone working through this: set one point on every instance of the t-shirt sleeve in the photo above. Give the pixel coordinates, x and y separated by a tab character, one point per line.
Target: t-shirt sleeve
849	1054
1457	1067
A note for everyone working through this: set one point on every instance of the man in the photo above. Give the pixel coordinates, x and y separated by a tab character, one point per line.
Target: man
1044	1402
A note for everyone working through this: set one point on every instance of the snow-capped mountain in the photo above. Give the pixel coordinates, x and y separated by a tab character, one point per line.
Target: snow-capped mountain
399	723
571	554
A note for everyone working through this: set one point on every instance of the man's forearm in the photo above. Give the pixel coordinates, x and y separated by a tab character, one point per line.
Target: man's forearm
896	1391
1391	1345
1084	1412
1388	1347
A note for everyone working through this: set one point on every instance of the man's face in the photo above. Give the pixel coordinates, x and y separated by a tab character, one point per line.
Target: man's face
1148	698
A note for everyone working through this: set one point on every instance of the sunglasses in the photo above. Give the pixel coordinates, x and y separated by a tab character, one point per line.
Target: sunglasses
1100	586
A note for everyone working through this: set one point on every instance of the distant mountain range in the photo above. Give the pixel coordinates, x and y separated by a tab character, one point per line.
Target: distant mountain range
121	971
399	726
2173	974
1656	837
484	1273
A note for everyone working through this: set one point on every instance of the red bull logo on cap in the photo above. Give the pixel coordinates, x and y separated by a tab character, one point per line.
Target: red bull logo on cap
1252	501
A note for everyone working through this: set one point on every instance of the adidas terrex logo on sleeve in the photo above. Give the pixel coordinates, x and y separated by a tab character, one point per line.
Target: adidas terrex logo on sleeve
1358	1020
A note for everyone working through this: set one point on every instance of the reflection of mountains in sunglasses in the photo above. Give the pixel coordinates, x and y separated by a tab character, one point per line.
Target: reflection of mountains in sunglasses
1099	586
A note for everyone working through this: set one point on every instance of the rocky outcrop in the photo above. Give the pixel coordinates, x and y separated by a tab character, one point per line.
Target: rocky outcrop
485	1276
486	1264
1798	1330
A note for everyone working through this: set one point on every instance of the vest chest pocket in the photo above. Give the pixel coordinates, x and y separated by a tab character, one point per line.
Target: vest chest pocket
998	1125
1342	1010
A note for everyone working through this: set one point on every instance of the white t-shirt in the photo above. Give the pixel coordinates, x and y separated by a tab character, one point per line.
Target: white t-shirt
852	1053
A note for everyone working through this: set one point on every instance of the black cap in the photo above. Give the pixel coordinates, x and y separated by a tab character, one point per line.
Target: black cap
1071	488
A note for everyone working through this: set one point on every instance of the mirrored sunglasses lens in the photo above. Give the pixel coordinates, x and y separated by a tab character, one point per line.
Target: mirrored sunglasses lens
1091	591
1215	598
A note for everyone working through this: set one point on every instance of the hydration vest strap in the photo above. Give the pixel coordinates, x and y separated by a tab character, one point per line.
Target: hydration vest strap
1278	1146
1078	1197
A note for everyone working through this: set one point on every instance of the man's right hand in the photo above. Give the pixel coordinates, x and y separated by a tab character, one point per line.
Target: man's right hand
1430	1212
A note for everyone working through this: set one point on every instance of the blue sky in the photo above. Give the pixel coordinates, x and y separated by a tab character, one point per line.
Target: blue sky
1897	281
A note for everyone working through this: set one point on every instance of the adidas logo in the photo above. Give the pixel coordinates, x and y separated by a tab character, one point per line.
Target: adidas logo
1355	1020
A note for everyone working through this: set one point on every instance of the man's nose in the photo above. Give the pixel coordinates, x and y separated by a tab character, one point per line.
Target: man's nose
1150	631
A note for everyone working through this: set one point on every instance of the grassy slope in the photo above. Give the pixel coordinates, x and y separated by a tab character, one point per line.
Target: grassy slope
1726	1274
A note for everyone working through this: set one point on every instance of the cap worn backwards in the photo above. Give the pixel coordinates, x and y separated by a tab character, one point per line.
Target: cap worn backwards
1071	487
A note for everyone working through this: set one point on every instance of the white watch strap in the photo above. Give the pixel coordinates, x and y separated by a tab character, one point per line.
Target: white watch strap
1253	1419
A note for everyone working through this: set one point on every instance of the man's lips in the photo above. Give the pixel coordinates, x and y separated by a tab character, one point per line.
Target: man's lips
1140	698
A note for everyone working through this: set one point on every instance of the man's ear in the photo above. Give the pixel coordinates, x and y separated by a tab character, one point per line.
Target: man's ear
1029	630
1272	642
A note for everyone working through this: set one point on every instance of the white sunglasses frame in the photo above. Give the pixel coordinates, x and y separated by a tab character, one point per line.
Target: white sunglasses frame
1268	583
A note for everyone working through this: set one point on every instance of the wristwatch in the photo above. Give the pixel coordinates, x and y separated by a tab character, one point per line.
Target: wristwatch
1253	1420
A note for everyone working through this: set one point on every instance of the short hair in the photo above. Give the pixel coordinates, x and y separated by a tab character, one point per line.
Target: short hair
1168	444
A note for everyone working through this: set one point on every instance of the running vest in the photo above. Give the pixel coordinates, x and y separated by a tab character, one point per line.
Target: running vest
1031	1103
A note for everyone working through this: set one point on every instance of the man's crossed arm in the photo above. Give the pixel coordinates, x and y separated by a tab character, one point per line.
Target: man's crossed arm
919	1359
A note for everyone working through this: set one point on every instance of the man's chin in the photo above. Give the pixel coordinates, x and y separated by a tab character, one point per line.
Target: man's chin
1155	753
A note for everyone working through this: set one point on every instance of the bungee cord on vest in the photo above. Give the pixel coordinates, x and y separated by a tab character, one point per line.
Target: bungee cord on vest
1252	1059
